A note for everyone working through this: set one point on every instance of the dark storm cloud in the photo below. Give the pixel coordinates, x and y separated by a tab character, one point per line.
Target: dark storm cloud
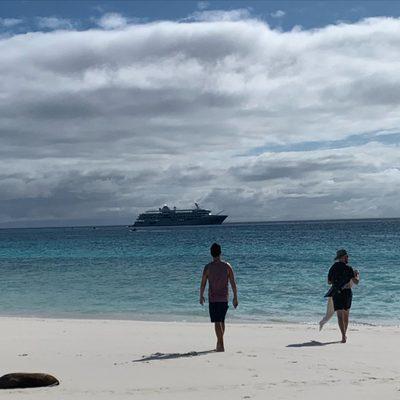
104	194
268	169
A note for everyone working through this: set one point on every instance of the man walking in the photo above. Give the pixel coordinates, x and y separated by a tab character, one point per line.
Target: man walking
218	273
341	276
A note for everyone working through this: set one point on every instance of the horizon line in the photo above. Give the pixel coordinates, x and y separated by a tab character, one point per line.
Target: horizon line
226	223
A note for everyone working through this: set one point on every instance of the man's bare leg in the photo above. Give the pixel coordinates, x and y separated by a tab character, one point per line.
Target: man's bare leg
346	314
219	331
340	317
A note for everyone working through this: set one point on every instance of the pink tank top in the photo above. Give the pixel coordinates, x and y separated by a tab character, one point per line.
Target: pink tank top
218	281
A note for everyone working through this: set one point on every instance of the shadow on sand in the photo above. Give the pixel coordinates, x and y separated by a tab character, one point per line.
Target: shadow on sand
171	356
313	343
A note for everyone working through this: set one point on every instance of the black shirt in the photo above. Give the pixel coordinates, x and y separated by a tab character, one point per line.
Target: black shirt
340	274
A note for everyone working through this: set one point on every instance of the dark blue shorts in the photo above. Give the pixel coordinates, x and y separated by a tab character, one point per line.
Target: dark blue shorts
218	311
342	300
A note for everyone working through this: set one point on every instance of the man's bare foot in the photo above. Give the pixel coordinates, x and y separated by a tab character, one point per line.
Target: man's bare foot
344	339
220	348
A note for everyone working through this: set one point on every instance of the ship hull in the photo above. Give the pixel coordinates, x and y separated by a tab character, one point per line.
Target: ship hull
207	220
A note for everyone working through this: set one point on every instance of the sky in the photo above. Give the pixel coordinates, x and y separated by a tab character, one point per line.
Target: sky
268	110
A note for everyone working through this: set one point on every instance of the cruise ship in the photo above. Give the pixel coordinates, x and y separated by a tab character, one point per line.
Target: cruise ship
166	216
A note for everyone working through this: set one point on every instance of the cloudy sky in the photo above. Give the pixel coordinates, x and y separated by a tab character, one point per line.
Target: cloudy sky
267	110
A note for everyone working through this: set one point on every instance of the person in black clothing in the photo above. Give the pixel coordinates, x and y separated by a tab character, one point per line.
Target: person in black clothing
341	276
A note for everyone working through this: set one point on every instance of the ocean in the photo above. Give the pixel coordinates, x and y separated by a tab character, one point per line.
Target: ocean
154	273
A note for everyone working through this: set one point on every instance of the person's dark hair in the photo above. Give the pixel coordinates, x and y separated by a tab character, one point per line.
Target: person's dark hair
215	250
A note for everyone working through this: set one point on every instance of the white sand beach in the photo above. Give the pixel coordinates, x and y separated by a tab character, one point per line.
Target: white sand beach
98	359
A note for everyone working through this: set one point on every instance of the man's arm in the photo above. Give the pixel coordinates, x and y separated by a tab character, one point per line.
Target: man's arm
231	277
203	285
330	277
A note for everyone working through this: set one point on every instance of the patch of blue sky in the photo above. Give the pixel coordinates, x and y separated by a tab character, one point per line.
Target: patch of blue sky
284	15
392	138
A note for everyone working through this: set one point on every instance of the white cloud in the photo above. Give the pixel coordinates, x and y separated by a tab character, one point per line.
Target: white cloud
105	123
10	22
112	21
54	23
220	15
278	14
202	5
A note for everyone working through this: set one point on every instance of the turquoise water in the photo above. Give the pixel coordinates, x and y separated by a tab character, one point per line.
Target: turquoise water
281	268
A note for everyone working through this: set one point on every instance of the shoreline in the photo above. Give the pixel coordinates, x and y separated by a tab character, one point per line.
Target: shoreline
110	359
199	320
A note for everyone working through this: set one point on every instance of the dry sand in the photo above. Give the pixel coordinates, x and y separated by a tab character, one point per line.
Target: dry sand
96	359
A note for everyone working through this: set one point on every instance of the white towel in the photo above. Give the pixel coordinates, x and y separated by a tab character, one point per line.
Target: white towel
330	310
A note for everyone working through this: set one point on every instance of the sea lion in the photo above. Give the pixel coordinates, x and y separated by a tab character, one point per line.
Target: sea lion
18	380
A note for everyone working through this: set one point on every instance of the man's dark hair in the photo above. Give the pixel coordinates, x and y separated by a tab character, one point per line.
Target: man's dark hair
215	250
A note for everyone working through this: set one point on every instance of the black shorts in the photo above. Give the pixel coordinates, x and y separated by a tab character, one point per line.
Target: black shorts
342	300
218	311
